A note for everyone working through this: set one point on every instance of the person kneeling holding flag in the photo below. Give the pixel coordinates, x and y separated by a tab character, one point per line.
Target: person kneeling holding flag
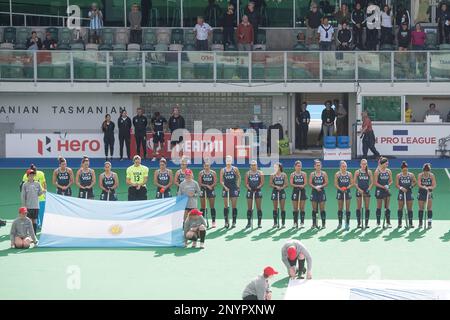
22	232
293	251
194	228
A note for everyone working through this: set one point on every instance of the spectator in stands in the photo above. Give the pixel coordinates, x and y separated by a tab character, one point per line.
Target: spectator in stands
372	27
409	116
34	42
343	15
228	21
49	43
344	37
253	17
108	136
368	136
202	30
326	35
418	37
124	124
358	20
404	37
432	111
328	117
146	8
96	24
135	19
301	42
303	119
443	20
212	13
313	19
22	233
244	35
176	121
386	26
341	120
140	131
402	16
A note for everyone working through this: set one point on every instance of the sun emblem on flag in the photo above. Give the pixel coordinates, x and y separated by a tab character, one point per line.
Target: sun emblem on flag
115	229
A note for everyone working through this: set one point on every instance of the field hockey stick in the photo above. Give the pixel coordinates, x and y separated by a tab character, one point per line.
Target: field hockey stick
228	199
253	206
425	211
85	194
345	207
363	212
206	209
107	196
384	215
278	209
405	212
298	201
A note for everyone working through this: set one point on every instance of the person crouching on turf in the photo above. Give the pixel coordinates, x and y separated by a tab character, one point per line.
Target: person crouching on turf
22	233
195	228
207	181
230	179
259	288
383	179
163	178
189	187
293	252
427	183
85	180
63	178
404	182
298	182
31	191
254	181
363	181
279	182
343	181
108	182
318	180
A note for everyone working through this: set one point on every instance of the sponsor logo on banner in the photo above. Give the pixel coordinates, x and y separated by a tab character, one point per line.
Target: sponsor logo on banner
43	145
337	154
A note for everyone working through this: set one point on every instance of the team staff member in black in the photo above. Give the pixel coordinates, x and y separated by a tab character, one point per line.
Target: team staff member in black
124	124
302	121
176	121
140	131
158	122
108	135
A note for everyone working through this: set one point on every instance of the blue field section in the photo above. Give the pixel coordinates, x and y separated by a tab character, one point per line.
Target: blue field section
46	163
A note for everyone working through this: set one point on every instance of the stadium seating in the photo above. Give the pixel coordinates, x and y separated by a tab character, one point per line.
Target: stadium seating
329	142
65	38
22	34
107	40
9	35
54	33
177	36
343	141
148	40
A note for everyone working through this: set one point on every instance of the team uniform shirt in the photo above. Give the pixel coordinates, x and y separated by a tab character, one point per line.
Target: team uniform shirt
343	181
86	179
363	182
405	182
38	177
158	125
426	182
254	180
318	180
230	181
108	183
298	179
63	179
163	178
181	176
207	178
383	179
137	174
278	181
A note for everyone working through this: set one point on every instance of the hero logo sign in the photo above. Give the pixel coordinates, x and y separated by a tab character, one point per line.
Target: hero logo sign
67	145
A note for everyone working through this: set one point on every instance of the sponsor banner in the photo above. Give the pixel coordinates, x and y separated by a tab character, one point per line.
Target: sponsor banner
234	59
337	154
403	139
62	111
440	65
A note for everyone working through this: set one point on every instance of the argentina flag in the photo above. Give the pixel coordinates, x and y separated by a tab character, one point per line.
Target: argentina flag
73	222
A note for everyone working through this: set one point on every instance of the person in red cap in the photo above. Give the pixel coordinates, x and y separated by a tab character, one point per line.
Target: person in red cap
343	181
22	232
31	191
195	228
259	288
293	252
189	187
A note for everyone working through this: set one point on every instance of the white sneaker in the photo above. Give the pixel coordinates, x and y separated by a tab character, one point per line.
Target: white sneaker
194	244
153	159
213	225
202	245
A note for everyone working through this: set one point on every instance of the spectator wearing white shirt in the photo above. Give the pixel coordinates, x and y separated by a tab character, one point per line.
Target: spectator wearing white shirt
326	35
202	30
95	24
386	25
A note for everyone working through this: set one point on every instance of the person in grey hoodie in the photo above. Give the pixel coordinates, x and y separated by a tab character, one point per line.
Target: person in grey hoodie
135	19
294	251
194	228
259	288
31	190
22	233
189	187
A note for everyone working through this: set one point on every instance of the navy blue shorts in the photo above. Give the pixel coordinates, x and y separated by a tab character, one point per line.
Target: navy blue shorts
67	192
275	195
381	193
86	193
317	196
366	194
209	193
409	196
167	194
297	192
422	196
234	193
258	194
112	196
340	195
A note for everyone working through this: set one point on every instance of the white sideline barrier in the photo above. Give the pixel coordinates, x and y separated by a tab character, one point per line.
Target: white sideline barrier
368	290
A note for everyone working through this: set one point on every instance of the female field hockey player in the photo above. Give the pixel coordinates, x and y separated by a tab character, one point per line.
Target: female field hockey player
383	180
318	180
405	181
63	178
163	179
343	181
85	180
298	181
279	182
108	181
426	183
363	181
207	180
254	181
181	173
230	179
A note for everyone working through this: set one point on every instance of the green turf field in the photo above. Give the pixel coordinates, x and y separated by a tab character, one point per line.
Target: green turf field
230	260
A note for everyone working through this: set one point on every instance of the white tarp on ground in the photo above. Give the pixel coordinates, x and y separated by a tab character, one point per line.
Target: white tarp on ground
368	290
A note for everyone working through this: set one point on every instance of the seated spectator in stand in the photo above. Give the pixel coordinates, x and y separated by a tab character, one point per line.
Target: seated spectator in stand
343	15
135	19
49	43
358	20
202	30
244	35
212	13
22	233
344	37
313	19
195	228
253	17
326	35
228	21
432	111
96	24
301	43
386	26
418	37
34	42
404	38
